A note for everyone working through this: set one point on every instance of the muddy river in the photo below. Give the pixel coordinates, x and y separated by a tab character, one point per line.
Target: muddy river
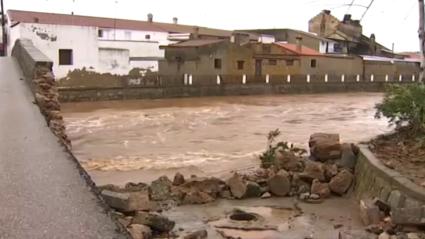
122	141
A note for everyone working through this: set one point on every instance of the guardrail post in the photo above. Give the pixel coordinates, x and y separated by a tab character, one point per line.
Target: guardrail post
218	80
358	78
326	78
400	78
185	79
372	78
267	78
342	78
244	79
308	78
190	79
288	78
386	78
413	78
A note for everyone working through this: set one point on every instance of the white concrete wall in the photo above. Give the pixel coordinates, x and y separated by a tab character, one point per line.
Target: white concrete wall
89	50
114	61
13	34
132	35
50	38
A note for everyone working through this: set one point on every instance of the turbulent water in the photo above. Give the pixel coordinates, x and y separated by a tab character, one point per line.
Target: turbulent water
139	140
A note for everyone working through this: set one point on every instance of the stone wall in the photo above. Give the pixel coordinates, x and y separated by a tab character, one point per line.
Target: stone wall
373	179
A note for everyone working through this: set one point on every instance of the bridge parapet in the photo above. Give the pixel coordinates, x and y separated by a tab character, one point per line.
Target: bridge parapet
30	59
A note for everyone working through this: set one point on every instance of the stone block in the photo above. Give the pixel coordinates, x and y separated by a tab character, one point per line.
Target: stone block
409	216
395	199
128	201
369	212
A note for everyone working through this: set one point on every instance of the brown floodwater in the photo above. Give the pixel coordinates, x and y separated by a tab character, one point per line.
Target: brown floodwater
139	140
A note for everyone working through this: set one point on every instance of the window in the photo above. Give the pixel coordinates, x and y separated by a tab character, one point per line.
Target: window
65	57
147	37
272	62
289	62
100	33
217	63
240	65
337	48
313	63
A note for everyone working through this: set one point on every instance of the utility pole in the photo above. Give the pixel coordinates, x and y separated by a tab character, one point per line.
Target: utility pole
3	28
422	38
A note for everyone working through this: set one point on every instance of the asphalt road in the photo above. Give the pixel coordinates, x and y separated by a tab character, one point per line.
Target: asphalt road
42	194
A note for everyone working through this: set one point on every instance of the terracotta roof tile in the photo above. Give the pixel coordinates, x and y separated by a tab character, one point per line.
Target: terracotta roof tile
196	43
305	51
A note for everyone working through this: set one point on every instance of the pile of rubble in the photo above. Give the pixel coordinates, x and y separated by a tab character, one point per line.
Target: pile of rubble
327	171
46	97
392	223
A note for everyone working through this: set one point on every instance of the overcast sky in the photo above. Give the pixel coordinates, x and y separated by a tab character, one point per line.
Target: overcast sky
392	21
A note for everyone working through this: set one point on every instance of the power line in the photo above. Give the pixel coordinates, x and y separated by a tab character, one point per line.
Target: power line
367	9
350	5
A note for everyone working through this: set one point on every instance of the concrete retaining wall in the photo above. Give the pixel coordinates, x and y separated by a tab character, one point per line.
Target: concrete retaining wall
94	94
29	59
373	179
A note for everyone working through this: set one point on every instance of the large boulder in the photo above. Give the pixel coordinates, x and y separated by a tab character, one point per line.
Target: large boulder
253	190
161	189
237	186
341	182
313	170
197	197
321	189
279	184
156	222
129	201
325	146
331	170
348	157
139	231
288	161
211	186
178	179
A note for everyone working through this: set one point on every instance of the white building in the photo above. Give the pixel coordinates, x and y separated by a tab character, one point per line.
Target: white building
99	44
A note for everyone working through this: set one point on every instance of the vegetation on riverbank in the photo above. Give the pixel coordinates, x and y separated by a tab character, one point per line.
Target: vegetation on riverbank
404	150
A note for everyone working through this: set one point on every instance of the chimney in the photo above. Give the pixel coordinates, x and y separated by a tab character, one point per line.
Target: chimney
299	43
240	38
175	20
150	17
195	33
347	18
327	12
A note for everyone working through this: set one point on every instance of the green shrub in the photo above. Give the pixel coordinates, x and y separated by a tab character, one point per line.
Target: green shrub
404	106
268	157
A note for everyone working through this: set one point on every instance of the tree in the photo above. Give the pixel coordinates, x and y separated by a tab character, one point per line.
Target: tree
404	106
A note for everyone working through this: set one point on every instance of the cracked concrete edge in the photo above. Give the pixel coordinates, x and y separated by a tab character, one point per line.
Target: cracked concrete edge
27	68
370	170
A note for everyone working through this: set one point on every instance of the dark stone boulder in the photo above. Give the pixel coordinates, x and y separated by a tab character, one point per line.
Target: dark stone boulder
156	222
325	146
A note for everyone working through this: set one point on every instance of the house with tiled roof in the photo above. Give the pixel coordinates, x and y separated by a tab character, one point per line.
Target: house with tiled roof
104	45
241	61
